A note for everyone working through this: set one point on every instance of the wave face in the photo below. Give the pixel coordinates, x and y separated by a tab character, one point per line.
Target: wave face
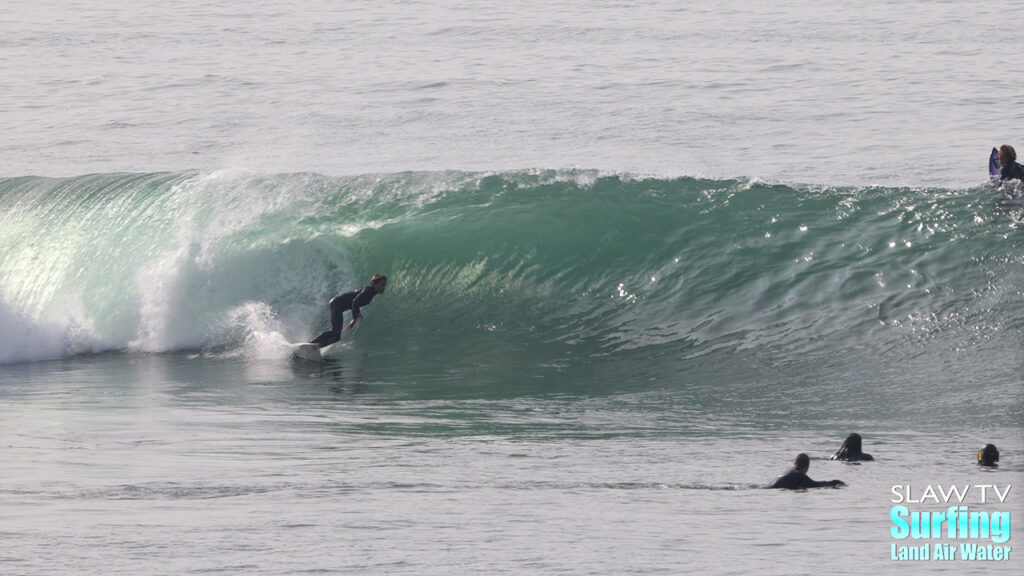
606	278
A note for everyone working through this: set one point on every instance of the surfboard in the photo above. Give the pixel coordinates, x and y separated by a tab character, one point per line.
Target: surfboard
309	352
993	167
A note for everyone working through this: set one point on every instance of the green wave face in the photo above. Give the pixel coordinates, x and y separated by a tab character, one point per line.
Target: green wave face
571	279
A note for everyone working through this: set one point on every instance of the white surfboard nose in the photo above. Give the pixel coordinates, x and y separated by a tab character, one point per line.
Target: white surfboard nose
309	352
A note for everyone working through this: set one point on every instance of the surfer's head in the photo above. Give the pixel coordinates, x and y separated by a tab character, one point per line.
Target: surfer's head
802	462
1007	154
379	283
988	456
852	444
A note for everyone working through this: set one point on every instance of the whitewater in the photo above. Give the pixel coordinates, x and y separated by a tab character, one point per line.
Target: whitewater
640	255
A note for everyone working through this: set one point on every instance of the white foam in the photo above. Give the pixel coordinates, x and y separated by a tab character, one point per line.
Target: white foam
26	339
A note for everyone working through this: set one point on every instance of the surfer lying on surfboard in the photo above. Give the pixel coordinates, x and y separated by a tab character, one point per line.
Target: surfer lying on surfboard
352	300
797	478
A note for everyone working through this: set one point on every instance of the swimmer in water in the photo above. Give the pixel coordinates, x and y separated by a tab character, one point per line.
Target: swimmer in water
988	456
797	478
850	451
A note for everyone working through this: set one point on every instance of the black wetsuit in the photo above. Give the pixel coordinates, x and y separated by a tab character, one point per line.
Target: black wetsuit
851	456
352	300
795	480
1011	171
851	450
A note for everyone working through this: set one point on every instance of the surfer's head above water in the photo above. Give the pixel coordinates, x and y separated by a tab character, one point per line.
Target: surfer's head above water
1007	154
851	450
379	283
802	462
988	456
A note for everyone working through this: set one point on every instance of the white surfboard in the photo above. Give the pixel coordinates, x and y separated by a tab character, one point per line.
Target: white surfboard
310	352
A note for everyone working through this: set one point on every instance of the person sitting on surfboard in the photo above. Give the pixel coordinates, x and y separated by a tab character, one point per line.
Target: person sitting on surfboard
797	478
851	450
1008	167
352	300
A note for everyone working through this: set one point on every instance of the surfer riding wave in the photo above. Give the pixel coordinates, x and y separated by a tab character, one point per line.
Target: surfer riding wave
352	300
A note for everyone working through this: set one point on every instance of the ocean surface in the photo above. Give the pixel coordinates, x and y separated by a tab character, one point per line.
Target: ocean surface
640	255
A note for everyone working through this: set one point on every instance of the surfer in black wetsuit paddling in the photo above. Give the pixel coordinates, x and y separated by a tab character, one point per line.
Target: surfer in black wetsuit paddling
797	478
1008	167
352	300
851	450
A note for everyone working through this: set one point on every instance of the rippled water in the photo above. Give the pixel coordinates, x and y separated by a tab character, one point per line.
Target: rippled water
879	92
178	464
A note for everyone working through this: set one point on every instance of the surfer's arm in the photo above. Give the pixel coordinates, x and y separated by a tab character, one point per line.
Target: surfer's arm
357	316
826	484
361	299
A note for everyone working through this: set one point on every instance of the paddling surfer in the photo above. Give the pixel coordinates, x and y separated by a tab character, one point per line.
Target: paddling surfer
797	478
